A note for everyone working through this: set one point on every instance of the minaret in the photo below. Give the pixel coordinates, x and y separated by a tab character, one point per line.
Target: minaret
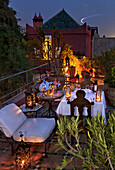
37	21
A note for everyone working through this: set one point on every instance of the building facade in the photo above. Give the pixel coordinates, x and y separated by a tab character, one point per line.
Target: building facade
76	35
100	44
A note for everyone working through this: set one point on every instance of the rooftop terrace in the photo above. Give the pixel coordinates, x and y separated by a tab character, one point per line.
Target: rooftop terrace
38	161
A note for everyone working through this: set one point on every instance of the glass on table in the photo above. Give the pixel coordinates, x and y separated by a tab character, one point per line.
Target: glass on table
91	87
87	86
98	96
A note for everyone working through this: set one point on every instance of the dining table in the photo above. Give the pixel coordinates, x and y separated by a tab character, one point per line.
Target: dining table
64	108
50	99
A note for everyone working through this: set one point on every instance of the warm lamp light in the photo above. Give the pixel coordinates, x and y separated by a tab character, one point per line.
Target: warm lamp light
30	98
51	90
66	69
67	61
91	72
95	86
22	155
44	88
77	77
98	96
68	93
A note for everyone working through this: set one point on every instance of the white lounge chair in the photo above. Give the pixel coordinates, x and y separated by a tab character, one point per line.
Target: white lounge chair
35	130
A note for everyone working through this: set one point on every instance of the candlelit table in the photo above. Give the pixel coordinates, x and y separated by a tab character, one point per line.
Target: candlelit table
64	108
31	112
50	99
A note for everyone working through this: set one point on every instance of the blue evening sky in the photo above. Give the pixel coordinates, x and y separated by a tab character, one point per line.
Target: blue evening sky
100	13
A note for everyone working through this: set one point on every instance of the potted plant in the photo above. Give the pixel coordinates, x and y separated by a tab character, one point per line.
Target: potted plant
100	150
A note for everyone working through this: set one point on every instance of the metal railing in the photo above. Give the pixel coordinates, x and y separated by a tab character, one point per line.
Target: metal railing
29	77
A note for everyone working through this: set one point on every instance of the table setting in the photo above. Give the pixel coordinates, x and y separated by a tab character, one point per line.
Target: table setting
99	104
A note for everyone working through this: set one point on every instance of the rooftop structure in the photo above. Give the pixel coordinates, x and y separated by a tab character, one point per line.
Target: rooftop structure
76	35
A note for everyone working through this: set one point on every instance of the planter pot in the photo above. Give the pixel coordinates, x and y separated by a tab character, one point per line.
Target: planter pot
110	94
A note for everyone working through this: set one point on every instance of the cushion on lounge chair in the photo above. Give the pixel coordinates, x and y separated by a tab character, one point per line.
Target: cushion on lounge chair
35	129
11	118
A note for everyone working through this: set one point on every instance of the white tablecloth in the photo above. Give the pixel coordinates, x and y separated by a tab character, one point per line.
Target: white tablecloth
64	108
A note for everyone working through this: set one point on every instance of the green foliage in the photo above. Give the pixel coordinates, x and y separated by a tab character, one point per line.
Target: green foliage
57	57
106	63
12	50
100	150
86	63
37	44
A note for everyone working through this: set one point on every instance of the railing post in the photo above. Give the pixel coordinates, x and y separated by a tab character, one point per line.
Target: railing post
27	78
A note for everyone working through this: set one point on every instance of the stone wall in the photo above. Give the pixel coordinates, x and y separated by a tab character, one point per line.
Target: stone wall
102	44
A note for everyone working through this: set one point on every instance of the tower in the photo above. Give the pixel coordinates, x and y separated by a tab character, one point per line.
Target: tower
37	21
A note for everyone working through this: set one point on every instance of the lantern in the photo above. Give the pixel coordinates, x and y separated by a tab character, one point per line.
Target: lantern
68	93
67	61
72	71
22	155
77	77
91	72
98	96
51	90
30	98
95	86
44	88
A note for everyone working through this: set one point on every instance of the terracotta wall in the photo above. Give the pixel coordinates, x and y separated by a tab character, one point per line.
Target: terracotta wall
79	39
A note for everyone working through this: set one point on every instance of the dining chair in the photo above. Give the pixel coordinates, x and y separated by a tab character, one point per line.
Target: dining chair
81	102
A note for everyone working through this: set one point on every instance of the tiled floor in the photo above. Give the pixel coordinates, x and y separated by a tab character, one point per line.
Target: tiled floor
38	161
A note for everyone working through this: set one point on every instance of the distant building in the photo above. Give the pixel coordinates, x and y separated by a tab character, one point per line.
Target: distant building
74	34
100	44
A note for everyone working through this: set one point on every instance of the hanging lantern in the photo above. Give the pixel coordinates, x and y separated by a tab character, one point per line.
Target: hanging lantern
77	77
22	155
98	96
72	71
95	86
30	98
67	61
68	93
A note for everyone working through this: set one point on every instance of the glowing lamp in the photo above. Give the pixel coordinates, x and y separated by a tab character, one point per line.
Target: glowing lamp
44	89
91	72
68	93
22	155
95	86
51	90
67	61
98	96
77	77
30	98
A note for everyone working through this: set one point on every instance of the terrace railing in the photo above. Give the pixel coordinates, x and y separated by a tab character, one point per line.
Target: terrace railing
15	84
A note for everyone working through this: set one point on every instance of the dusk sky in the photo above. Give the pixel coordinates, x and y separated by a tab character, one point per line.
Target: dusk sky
100	13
